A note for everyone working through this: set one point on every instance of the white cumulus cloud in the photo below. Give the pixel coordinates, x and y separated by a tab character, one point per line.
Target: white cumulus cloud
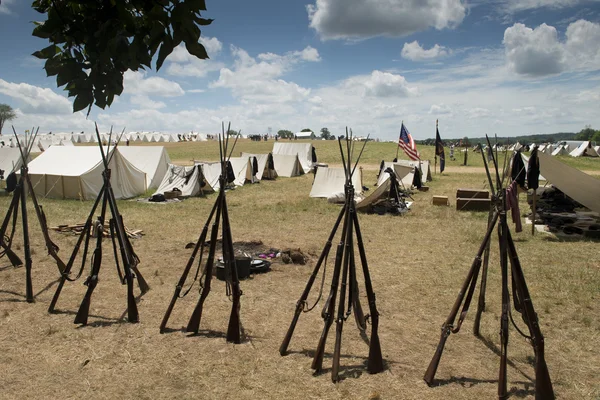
379	84
355	19
539	52
4	6
182	63
522	5
145	102
259	79
36	100
135	82
414	52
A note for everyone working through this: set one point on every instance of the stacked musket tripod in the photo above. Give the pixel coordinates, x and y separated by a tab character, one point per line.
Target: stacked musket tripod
521	299
344	269
221	217
20	199
122	247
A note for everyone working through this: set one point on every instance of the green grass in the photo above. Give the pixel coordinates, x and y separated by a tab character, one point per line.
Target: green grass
417	262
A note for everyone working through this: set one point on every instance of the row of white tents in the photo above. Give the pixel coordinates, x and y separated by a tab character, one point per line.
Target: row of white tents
329	182
75	172
285	160
565	148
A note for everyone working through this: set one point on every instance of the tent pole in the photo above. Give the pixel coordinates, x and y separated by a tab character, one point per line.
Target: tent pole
533	213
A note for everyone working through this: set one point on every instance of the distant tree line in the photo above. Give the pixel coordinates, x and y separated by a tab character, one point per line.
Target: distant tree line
585	134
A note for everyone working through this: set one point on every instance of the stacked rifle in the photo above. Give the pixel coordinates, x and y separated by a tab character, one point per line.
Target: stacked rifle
221	217
122	248
521	298
19	198
344	269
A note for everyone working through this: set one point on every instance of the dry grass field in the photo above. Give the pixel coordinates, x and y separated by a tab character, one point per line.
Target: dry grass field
417	261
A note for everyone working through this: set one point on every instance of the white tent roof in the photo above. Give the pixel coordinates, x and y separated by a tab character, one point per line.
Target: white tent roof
263	170
404	173
287	165
571	181
76	173
423	165
330	182
561	150
584	149
211	172
153	160
303	150
242	168
10	160
186	179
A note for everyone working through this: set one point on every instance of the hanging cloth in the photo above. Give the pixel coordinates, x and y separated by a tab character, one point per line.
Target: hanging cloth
518	172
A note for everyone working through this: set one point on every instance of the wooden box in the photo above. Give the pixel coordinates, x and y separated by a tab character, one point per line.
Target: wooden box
472	194
440	201
473	204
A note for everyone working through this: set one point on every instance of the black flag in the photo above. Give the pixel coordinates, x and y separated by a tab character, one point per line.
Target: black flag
439	149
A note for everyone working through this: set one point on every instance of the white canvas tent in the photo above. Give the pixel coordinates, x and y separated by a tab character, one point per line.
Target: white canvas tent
211	172
561	150
404	173
188	180
423	165
302	150
263	166
242	168
76	173
287	165
571	181
153	160
10	160
584	149
329	182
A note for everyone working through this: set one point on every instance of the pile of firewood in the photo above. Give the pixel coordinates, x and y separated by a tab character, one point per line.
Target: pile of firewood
78	228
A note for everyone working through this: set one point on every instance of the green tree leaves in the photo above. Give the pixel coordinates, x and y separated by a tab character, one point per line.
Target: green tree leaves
6	114
92	44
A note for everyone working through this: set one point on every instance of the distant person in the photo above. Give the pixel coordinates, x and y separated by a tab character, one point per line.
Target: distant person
452	152
127	142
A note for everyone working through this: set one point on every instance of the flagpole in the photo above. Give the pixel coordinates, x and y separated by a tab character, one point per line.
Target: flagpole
435	162
398	144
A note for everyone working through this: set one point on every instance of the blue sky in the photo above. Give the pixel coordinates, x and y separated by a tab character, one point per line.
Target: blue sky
509	67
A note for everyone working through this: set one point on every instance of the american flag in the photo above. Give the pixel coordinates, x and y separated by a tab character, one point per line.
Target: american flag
407	144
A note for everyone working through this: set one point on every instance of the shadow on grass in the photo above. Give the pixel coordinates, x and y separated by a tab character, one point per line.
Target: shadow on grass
526	391
105	321
346	371
496	351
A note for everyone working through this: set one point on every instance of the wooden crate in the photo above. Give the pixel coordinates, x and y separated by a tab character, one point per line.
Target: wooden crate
440	201
473	204
472	194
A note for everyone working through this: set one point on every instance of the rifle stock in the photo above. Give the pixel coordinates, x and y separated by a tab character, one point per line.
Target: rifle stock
199	245
502	379
132	311
328	310
543	384
300	303
144	287
14	259
437	356
233	329
375	361
50	245
194	323
335	369
92	280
